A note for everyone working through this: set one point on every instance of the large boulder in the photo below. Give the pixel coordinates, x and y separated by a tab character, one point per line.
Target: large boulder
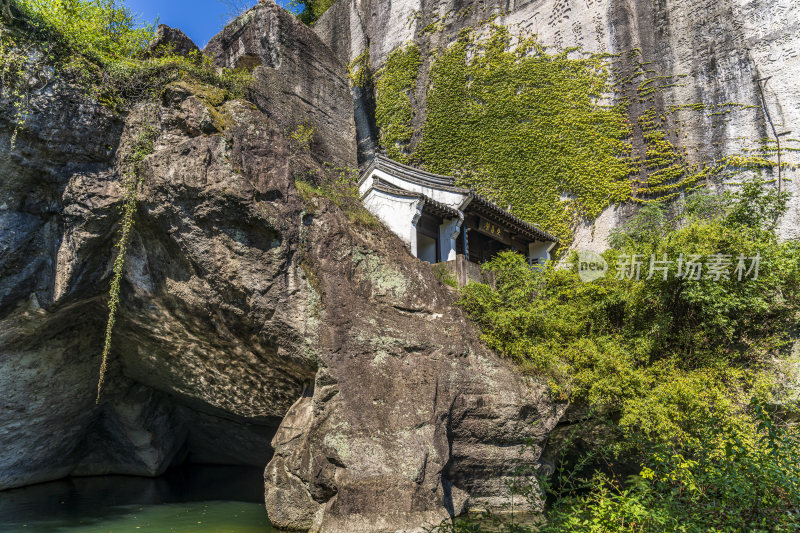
298	80
169	40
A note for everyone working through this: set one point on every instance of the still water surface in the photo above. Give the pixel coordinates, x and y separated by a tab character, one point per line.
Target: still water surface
196	498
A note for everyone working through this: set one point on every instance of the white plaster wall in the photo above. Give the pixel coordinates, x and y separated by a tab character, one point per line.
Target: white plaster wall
365	185
448	233
540	251
397	213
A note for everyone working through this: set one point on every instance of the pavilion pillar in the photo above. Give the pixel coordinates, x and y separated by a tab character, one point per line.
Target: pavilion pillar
448	233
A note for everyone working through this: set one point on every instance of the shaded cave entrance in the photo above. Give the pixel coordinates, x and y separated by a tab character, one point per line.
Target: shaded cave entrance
148	433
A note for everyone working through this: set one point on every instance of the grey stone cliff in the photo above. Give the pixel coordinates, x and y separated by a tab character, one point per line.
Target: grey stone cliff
719	47
256	325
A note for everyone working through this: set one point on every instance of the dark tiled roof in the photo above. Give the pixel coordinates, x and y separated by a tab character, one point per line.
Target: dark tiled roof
431	205
437	181
480	204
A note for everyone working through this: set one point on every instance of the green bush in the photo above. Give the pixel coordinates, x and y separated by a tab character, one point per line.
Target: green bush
554	325
99	44
672	364
742	479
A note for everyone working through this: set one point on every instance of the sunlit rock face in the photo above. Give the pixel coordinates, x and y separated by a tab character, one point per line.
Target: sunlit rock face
205	361
297	77
252	319
714	49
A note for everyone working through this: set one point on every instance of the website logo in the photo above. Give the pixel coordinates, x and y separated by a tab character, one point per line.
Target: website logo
591	266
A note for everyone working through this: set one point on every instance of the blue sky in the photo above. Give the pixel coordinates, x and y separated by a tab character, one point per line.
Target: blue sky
199	19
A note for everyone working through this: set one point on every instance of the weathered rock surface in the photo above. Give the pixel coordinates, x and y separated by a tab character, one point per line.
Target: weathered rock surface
720	46
297	78
171	40
207	400
409	415
241	301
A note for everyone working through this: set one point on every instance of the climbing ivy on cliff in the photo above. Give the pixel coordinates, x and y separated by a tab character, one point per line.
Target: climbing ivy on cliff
558	137
527	128
358	71
394	93
663	171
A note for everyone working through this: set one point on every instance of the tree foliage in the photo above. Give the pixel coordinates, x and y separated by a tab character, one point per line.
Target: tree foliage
104	30
671	361
744	478
311	10
101	45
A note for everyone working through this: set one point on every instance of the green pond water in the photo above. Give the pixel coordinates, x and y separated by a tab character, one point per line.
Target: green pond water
195	498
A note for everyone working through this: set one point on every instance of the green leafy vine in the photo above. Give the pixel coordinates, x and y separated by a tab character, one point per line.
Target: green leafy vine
394	89
526	128
559	137
359	71
143	146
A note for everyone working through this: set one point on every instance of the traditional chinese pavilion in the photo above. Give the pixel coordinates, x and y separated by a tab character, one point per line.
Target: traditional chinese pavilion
443	223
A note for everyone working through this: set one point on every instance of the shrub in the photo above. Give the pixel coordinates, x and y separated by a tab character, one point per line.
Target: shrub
103	30
742	479
578	334
670	362
100	44
339	186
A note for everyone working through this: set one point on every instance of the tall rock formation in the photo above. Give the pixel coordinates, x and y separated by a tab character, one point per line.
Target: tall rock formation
714	49
242	300
259	325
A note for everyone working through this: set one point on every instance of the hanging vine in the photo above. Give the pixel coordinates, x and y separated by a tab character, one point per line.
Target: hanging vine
142	147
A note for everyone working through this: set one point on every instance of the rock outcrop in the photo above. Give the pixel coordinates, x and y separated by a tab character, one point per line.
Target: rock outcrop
715	50
177	391
242	301
298	80
171	41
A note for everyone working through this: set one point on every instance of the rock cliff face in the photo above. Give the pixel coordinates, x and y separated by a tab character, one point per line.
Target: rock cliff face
297	78
262	326
242	301
717	47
